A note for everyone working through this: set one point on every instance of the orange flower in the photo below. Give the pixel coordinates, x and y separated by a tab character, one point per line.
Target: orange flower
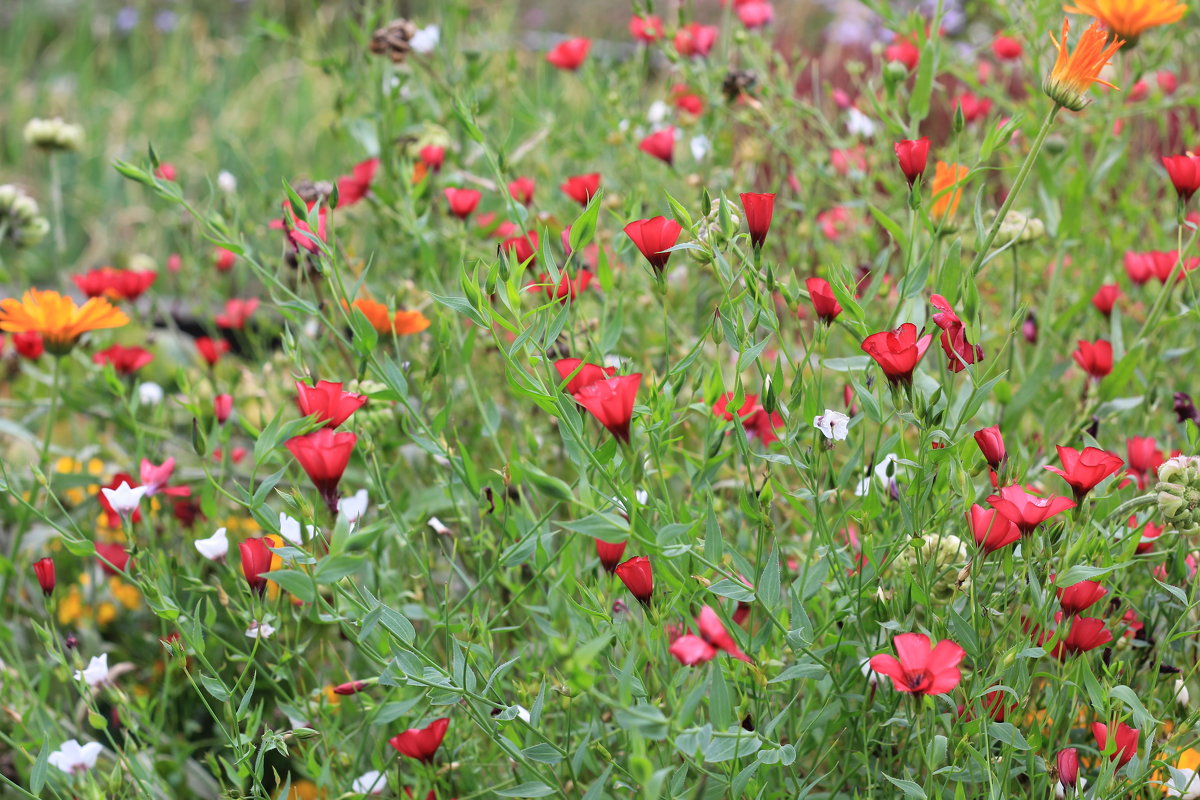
947	190
57	318
1128	18
1074	73
409	322
403	323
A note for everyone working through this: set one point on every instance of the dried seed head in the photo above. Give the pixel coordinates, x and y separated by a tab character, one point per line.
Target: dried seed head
394	40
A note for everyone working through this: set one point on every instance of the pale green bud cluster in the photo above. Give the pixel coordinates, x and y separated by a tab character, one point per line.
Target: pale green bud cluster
1017	228
1178	492
53	134
20	220
945	553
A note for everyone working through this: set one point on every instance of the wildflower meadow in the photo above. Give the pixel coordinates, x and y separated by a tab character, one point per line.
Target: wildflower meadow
607	401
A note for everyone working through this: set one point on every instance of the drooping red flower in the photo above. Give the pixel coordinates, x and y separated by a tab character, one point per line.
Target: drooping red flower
646	29
690	649
323	455
1026	510
759	209
1006	48
115	284
1144	458
432	156
913	155
125	360
1125	740
570	54
355	186
921	668
328	401
638	578
256	560
991	444
1083	469
521	190
695	39
654	237
1106	297
211	350
463	202
1094	358
611	402
991	529
521	248
660	144
421	743
43	570
959	352
1184	172
1076	598
582	188
610	553
897	352
820	294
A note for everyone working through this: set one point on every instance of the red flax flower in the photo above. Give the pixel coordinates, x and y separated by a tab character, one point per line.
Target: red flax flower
582	188
587	374
125	360
222	407
328	401
1144	458
324	455
820	294
1026	510
521	190
115	284
897	352
921	669
1106	297
654	237
958	350
721	407
1083	469
432	156
567	288
913	154
236	313
350	688
611	402
355	186
43	569
991	530
1085	634
112	557
1094	358
1125	740
256	560
690	649
610	553
463	202
421	743
1073	74
522	247
571	54
299	233
759	209
1006	48
638	578
1184	172
1076	598
1067	761
646	29
695	39
211	350
660	144
991	444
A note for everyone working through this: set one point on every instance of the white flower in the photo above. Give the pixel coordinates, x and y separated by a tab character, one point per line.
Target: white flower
859	124
523	713
833	424
657	112
124	499
72	757
438	527
214	547
1181	693
226	182
353	507
885	471
96	672
1185	778
426	39
149	393
701	147
260	630
289	529
373	782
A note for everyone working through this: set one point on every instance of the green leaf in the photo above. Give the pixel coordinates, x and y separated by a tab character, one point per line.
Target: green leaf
734	590
918	102
909	788
37	775
294	582
334	568
532	789
543	753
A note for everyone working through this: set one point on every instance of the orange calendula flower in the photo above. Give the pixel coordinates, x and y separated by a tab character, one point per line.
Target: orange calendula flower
1127	19
1074	73
57	318
948	181
402	323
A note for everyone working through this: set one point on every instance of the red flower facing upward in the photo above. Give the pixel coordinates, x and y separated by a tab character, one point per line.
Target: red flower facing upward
433	156
323	455
695	39
571	54
991	444
820	294
463	202
638	578
611	402
256	560
921	669
355	186
236	313
1006	48
610	553
587	374
958	350
115	284
43	570
521	190
690	649
897	352
1076	598
1125	740
654	237
902	50
660	144
582	188
421	743
328	401
913	155
211	350
1144	458
646	29
1094	358
1184	172
759	209
1026	510
1106	297
125	360
754	13
1083	469
991	530
522	247
1085	634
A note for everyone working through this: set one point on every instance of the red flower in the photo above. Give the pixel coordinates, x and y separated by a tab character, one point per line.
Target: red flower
1085	634
521	190
582	188
759	209
571	54
1006	48
1139	266
349	688
897	352
327	400
958	350
566	288
323	455
991	444
921	669
1076	598
610	553
256	560
638	578
299	233
421	743
903	51
112	557
754	13
222	407
912	155
29	345
587	375
660	144
1094	358
115	284
686	100
125	360
211	349
690	649
611	402
1106	297
432	156
973	108
1026	510
166	171
522	247
462	201
721	407
1067	761
1144	458
1083	469
1149	534
224	259
156	476
354	187
646	29
820	294
763	425
43	569
695	39
1184	172
991	530
1125	740
654	237
236	313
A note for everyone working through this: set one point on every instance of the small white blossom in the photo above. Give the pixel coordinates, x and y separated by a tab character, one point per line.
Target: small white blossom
124	499
226	182
353	507
833	424
438	526
859	124
373	782
214	547
426	39
72	757
1181	693
701	147
260	630
289	528
96	672
657	112
149	393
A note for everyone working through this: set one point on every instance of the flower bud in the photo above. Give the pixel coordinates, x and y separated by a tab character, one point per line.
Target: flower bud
53	134
1178	491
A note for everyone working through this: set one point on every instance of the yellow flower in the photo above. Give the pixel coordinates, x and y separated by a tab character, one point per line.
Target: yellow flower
234	524
1074	73
71	607
303	790
125	593
947	189
66	465
57	318
330	696
1129	18
105	613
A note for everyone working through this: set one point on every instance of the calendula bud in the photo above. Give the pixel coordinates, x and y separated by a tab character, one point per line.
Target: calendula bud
53	134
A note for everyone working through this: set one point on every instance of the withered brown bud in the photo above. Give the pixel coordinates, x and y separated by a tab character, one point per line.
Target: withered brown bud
737	82
393	40
312	191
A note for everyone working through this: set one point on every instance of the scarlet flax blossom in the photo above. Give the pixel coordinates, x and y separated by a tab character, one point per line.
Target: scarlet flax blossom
299	232
43	570
958	350
328	401
1124	738
920	668
1094	358
521	190
759	209
991	444
654	237
1184	172
647	29
1027	510
567	288
1067	84
1084	469
695	39
1106	297
582	188
638	577
610	553
820	294
991	530
660	144
421	743
256	560
211	350
1078	597
587	373
897	352
236	313
570	54
115	284
124	360
690	649
913	155
323	455
1067	761
463	202
611	402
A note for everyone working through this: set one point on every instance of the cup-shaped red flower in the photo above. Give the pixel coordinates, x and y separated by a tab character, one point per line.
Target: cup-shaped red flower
1083	469
328	402
991	530
610	553
1106	297
521	190
211	350
324	455
463	202
913	155
582	188
654	237
570	54
721	407
921	668
1094	358
1067	761
646	29
355	186
611	402
1125	740
43	570
587	374
820	294
433	156
1076	598
1184	172
958	350
112	557
421	743
638	578
690	649
991	444
1084	634
759	209
660	144
897	352
256	560
695	39
522	247
1026	510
